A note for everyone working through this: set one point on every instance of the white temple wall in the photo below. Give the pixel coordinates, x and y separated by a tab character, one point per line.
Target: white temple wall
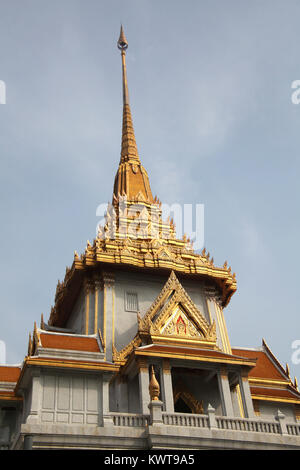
269	409
70	399
77	319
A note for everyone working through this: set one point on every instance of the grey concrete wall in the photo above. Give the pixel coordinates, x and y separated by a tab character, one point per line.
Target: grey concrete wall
26	403
195	290
76	320
134	396
269	410
147	288
70	399
91	327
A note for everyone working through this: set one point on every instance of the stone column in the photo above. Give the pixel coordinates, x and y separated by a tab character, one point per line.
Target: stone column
167	386
108	314
98	287
122	394
213	315
33	416
225	392
212	417
28	441
106	418
88	290
144	386
155	407
246	395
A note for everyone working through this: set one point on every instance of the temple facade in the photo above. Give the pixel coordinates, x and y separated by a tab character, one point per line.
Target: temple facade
135	353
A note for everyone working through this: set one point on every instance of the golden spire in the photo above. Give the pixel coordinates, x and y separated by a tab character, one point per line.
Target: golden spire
129	147
131	179
154	389
123	45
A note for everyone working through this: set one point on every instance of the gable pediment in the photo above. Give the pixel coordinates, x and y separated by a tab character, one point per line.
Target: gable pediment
180	324
173	317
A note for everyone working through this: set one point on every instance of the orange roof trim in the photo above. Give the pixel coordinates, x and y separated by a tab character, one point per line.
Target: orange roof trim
274	393
69	342
9	373
265	368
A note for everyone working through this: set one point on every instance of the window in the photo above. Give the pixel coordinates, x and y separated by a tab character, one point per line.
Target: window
131	301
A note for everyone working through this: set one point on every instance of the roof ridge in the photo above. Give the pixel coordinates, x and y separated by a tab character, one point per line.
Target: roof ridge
76	335
274	359
247	349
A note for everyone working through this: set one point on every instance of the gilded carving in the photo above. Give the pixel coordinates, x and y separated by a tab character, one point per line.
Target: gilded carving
154	389
182	392
101	339
108	279
173	313
121	356
180	325
154	244
30	346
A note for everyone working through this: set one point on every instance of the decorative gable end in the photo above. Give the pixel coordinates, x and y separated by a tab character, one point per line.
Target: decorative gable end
174	317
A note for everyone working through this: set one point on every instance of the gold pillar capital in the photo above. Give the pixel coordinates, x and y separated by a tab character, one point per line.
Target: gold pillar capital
142	364
166	366
108	279
88	285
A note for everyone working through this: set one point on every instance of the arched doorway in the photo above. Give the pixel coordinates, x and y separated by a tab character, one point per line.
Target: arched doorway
185	402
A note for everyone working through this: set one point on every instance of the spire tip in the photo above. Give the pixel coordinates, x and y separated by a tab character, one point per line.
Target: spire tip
122	41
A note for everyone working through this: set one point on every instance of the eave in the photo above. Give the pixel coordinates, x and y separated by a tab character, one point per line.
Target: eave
192	354
137	255
63	364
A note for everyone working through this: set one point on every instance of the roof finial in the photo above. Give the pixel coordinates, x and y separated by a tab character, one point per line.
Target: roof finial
131	178
122	42
122	45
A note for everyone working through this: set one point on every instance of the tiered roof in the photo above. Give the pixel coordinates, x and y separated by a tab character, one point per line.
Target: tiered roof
269	380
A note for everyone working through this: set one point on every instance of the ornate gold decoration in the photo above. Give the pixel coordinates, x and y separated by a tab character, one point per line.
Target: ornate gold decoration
154	389
166	366
101	339
108	279
143	252
156	326
173	314
256	407
35	342
42	324
135	232
182	392
131	178
119	357
36	336
30	346
180	325
297	412
142	364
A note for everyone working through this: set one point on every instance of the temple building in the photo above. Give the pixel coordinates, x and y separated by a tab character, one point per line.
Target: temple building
135	353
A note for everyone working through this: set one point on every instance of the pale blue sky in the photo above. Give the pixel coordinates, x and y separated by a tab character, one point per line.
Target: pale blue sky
210	90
